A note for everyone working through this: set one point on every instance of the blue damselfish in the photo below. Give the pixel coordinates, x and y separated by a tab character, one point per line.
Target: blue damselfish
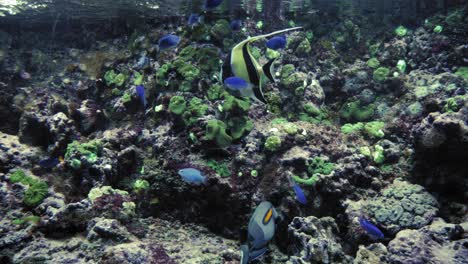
192	176
168	42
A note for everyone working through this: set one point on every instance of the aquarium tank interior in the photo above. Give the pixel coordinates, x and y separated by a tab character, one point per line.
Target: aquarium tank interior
233	132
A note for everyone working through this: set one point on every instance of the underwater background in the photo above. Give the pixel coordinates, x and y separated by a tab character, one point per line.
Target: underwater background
244	131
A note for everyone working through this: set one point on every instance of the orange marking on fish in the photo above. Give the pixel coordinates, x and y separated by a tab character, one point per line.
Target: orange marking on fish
268	216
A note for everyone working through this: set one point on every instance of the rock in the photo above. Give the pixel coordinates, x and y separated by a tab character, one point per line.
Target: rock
59	217
374	253
33	130
441	149
313	240
130	253
89	117
52	251
102	230
402	205
297	156
437	243
15	154
61	129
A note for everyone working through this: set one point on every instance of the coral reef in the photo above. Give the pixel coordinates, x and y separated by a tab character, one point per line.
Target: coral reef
365	119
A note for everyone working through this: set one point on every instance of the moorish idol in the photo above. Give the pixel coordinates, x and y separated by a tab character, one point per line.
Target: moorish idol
242	64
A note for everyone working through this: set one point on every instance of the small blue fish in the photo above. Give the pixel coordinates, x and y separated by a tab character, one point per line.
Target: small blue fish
192	176
276	43
49	163
370	228
238	86
300	196
236	25
168	42
194	19
140	90
210	4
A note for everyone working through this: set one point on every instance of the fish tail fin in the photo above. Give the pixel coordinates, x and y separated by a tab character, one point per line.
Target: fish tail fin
258	94
268	70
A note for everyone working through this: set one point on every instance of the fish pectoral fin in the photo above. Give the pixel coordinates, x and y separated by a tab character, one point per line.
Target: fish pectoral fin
268	70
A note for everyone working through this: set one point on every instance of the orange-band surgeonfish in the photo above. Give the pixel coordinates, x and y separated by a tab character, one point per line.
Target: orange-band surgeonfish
261	229
242	64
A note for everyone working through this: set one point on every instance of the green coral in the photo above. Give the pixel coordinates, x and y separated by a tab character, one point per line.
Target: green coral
196	109
278	121
401	66
290	78
75	164
216	130
36	193
401	31
126	98
177	105
238	126
90	151
188	71
415	109
375	129
19	176
33	219
380	74
37	189
304	47
220	29
378	154
313	114
232	104
272	54
438	29
462	72
290	128
141	185
356	111
273	143
138	78
259	24
454	104
374	48
162	72
309	181
293	80
111	77
366	151
274	102
221	168
373	63
214	92
352	128
318	165
116	92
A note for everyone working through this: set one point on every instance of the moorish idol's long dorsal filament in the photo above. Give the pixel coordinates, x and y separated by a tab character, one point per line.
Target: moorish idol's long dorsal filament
244	65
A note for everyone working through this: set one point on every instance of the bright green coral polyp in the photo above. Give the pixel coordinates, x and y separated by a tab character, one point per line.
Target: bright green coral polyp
273	143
